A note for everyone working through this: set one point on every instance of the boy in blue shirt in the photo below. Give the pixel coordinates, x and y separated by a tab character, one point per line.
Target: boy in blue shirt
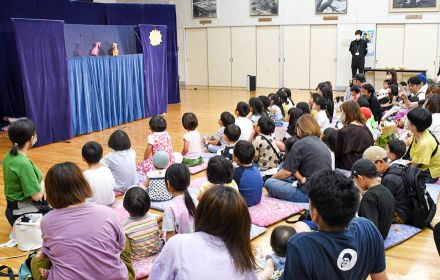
247	175
343	247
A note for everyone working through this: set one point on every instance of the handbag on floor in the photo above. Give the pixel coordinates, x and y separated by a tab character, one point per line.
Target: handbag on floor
9	272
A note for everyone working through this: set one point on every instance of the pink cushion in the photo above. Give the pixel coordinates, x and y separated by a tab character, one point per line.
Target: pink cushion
143	267
271	210
199	168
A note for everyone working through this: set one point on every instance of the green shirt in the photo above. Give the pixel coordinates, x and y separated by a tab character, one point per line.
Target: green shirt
22	177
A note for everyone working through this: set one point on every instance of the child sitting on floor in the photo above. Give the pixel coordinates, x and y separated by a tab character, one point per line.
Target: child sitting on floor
247	175
257	109
320	105
377	204
192	149
274	266
355	93
217	142
266	103
385	90
156	188
159	140
245	124
99	177
220	172
267	154
232	134
141	228
330	138
276	109
178	217
122	161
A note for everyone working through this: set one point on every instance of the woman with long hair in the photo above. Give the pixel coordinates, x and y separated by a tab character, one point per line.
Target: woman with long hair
354	138
220	248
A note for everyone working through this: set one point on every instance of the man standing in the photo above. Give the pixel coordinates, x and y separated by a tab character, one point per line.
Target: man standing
359	50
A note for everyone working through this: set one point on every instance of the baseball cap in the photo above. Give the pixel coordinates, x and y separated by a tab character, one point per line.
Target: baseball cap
374	153
160	160
363	167
422	78
360	77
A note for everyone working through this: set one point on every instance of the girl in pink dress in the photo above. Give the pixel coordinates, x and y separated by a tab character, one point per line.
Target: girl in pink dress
159	140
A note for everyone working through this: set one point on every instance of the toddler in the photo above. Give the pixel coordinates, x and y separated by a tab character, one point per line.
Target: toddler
178	217
159	140
156	188
141	228
192	149
274	266
385	90
217	141
99	177
276	108
232	135
285	102
267	154
266	103
247	175
121	161
220	172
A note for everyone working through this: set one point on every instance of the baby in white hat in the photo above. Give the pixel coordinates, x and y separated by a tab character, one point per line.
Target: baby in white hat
155	182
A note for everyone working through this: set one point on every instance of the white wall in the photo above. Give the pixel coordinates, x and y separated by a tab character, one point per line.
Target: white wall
362	14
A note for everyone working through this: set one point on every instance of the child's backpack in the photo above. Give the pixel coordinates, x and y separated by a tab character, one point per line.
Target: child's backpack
423	207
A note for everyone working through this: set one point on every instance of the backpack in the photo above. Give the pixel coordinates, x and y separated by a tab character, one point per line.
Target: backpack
423	207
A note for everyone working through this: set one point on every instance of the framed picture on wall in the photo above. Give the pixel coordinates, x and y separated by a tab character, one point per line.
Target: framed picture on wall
407	6
264	7
330	6
204	8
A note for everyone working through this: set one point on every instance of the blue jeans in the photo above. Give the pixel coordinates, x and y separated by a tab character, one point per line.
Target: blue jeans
285	190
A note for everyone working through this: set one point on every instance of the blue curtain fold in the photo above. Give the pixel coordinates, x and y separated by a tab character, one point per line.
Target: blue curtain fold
155	64
105	91
42	53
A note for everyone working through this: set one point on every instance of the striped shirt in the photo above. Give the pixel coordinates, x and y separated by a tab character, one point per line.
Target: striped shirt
143	234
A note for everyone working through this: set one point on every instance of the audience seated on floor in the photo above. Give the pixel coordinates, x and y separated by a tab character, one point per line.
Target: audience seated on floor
316	138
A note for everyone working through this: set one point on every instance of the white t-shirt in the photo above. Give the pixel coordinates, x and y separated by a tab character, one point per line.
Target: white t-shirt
123	167
194	144
246	127
322	120
435	126
102	182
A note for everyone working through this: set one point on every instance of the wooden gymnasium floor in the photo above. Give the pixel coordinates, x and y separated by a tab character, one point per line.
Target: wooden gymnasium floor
414	259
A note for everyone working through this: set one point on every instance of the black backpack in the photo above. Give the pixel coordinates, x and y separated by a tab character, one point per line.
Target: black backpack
423	207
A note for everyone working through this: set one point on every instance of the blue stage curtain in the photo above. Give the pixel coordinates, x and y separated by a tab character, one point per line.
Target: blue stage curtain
11	90
154	14
155	63
105	91
42	53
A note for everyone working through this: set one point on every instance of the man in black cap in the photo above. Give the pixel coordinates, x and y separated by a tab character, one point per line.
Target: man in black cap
377	204
359	50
